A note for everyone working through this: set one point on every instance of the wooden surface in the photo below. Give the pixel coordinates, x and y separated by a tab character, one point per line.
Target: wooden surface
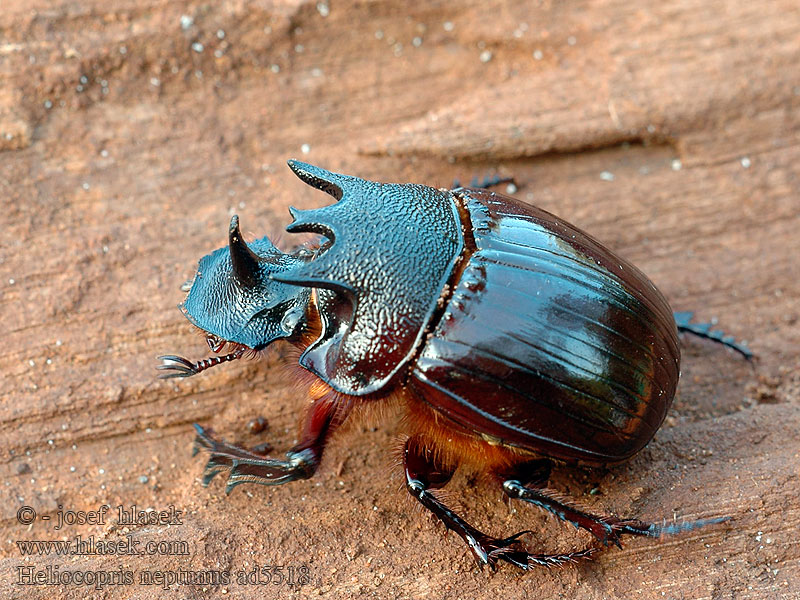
670	130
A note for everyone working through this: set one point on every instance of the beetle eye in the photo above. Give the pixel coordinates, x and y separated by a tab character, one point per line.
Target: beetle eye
290	320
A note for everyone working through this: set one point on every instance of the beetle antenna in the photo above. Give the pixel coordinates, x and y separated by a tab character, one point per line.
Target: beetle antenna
182	367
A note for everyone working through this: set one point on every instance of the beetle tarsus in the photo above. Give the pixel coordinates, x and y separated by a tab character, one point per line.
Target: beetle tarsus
705	330
608	530
245	466
634	527
675	528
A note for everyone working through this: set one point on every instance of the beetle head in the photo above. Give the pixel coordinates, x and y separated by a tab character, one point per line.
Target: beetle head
234	299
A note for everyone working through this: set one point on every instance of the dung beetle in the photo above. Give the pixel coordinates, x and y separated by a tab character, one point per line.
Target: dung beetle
509	337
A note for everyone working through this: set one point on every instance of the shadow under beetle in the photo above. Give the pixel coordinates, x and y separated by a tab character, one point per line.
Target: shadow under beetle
510	337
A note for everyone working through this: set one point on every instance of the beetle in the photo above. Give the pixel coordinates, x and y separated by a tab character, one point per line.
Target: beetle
510	337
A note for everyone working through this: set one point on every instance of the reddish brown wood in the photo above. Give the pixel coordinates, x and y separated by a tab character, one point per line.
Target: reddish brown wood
669	130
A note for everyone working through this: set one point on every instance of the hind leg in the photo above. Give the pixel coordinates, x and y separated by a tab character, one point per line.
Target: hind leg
605	528
424	474
487	182
705	330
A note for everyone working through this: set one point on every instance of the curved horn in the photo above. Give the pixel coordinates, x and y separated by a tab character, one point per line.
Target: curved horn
244	260
322	179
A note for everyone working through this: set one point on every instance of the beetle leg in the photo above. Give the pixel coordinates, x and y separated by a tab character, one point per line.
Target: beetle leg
607	529
705	330
487	182
301	462
424	472
534	473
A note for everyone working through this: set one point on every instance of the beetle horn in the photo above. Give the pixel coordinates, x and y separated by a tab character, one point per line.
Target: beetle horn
326	220
315	220
322	179
244	260
330	221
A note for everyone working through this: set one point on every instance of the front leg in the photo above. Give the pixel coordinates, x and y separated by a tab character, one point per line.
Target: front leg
323	417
